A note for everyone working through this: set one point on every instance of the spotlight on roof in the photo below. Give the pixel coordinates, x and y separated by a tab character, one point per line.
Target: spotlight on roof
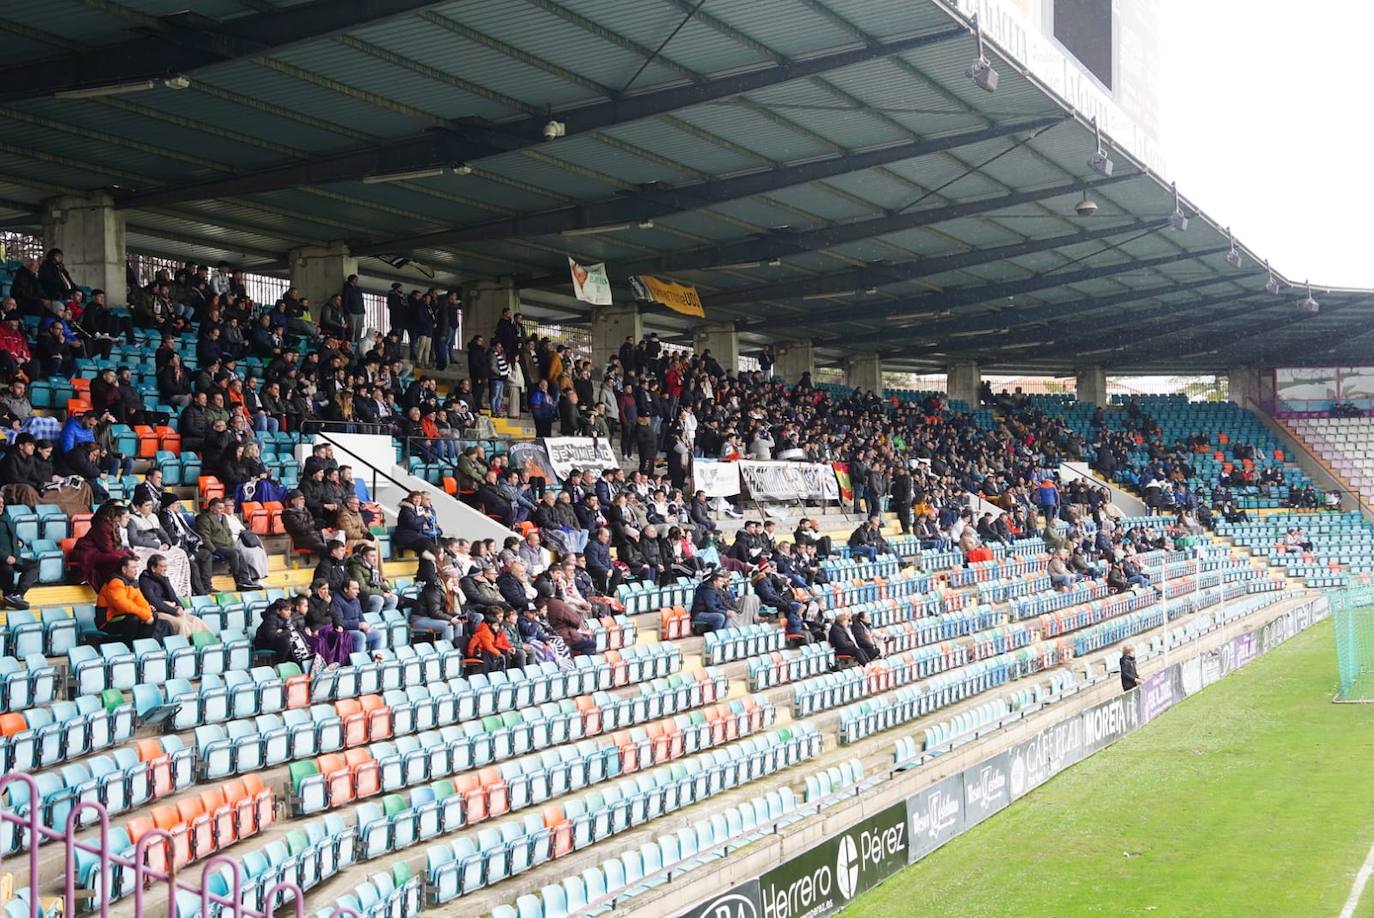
555	129
1178	220
980	71
1307	304
1086	207
462	169
1272	284
180	81
1099	162
1233	255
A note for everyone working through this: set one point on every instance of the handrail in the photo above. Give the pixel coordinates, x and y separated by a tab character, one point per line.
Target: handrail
375	471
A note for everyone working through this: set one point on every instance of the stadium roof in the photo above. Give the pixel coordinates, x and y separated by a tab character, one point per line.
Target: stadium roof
818	168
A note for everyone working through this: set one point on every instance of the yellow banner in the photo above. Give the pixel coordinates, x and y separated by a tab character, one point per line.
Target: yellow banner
681	298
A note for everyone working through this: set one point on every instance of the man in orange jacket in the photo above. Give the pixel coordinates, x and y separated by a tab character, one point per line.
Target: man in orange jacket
128	615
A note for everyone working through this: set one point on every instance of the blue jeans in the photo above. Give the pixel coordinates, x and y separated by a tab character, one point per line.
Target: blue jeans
1058	580
372	640
715	619
264	424
376	602
498	392
863	551
443	627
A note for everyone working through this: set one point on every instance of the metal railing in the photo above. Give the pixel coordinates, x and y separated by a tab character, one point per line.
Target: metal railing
144	875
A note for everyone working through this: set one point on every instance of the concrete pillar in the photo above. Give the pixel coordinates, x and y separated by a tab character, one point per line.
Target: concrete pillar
90	233
482	309
721	339
319	271
1090	385
1243	386
864	372
963	380
611	325
793	358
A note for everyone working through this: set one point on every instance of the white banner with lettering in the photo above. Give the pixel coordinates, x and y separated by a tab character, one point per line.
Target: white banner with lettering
717	479
789	480
568	453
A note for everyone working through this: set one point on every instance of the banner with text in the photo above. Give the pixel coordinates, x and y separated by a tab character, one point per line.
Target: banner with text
717	479
682	298
568	453
789	480
590	283
530	457
826	878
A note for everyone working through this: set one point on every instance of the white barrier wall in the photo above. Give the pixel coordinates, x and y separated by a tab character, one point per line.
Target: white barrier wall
1123	500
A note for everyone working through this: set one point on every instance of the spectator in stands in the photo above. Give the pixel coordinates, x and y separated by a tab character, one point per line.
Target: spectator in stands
710	608
516	587
437	609
333	566
165	601
530	552
323	627
128	616
808	533
867	540
569	625
604	571
864	636
279	633
27	289
489	646
54	278
15	354
214	529
775	591
558	523
146	537
842	640
1061	577
377	593
17	573
349	614
481	591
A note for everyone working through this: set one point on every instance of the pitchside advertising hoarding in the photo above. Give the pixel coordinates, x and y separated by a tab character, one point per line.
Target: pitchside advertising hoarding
825	878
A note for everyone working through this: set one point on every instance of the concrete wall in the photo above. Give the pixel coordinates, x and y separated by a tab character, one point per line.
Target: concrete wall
319	271
963	382
864	372
482	308
611	325
1090	385
90	233
721	339
793	358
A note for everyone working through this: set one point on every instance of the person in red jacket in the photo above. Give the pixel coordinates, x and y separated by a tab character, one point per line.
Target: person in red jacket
489	646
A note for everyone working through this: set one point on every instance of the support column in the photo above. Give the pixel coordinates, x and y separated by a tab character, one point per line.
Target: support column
1243	386
482	309
1090	385
611	325
319	271
793	358
963	380
90	233
864	372
721	339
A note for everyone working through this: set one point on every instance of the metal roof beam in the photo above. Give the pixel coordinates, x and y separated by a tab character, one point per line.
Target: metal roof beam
781	244
1013	318
878	275
477	141
186	42
945	300
658	202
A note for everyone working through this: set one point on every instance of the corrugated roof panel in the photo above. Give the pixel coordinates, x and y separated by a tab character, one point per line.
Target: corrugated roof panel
886	19
591	153
113	163
817	199
543	174
288	92
543	35
785	26
648	22
756	132
682	145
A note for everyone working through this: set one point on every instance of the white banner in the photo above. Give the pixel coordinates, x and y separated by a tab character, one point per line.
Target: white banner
789	480
717	479
590	283
568	453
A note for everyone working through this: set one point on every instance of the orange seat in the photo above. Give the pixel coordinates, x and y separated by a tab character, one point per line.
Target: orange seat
498	797
354	721
168	439
474	797
378	716
78	406
147	441
81	385
338	778
450	486
591	715
11	724
560	829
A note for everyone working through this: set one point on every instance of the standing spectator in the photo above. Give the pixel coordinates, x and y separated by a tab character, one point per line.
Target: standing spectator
479	369
1130	678
499	373
353	307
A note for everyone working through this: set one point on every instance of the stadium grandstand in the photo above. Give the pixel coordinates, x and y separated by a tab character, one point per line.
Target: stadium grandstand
455	457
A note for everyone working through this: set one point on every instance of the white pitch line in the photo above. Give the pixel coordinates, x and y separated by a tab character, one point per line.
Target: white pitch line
1357	890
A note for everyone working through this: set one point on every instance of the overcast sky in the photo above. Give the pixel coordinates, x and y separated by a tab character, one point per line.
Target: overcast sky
1266	127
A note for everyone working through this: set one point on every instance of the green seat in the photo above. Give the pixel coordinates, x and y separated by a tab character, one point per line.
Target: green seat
512	719
111	699
299	771
227	599
400	873
296	842
442	789
204	639
393	804
491	723
287	670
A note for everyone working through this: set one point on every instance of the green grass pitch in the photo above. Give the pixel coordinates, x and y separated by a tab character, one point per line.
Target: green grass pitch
1253	798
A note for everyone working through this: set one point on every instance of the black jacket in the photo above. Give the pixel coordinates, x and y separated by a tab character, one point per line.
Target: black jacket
843	644
159	592
335	572
1129	677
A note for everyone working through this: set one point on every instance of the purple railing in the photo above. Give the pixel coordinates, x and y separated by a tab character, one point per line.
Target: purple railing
143	874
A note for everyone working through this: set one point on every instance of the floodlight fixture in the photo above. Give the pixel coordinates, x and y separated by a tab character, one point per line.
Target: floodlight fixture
980	71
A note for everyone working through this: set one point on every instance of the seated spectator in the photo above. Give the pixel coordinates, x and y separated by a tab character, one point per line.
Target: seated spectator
558	523
482	592
416	527
128	616
17	573
517	494
165	601
333	566
280	634
214	528
710	610
530	552
183	535
300	524
808	533
569	625
377	593
774	591
863	635
842	640
1061	578
437	609
867	540
493	501
349	612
